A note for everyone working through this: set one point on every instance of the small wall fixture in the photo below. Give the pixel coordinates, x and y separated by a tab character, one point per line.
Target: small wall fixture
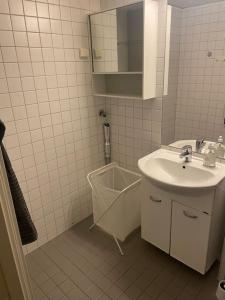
220	58
84	53
97	53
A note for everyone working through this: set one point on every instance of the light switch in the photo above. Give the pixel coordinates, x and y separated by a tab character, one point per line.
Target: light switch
84	53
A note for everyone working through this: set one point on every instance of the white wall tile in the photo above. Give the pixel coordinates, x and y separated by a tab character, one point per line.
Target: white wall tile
17	98
5	101
6	38
22	125
20	39
16	7
11	69
23	54
32	110
30	8
18	23
7	114
32	24
4	7
19	112
14	84
36	54
54	11
42	10
28	83
26	69
30	97
34	39
56	26
9	54
44	25
3	85
5	22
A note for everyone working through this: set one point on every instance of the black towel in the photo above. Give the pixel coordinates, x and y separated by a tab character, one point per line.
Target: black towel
28	232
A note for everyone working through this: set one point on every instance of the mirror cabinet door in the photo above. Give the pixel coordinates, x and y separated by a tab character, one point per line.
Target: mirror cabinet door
117	39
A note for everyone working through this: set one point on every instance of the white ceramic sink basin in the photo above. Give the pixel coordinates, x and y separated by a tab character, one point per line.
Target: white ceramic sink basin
166	167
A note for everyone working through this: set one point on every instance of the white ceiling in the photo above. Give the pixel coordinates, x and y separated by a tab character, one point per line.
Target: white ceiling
189	3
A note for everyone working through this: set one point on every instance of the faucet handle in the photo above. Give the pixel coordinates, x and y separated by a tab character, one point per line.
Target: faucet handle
186	149
186	152
199	144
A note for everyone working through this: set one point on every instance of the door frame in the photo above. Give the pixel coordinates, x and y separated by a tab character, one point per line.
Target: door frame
12	259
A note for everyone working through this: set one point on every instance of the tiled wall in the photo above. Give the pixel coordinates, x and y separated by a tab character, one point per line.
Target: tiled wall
135	129
54	135
136	125
201	84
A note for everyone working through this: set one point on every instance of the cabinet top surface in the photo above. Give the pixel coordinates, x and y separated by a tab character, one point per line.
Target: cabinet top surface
167	168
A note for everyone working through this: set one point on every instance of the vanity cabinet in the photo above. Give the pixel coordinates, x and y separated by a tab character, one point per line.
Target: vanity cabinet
156	229
190	231
188	226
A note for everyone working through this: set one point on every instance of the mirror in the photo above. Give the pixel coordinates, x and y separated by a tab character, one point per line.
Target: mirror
117	39
195	104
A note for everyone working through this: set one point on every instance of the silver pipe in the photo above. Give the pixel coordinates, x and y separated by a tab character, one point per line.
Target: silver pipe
106	128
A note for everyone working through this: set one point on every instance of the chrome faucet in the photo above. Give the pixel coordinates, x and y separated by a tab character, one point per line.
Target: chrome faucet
199	144
186	152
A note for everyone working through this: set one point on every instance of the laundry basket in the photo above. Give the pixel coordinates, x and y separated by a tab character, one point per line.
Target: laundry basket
116	199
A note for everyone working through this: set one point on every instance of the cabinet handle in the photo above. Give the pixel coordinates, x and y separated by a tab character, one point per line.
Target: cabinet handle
155	200
189	215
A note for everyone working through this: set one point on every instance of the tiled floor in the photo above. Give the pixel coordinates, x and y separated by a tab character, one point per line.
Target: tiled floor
80	264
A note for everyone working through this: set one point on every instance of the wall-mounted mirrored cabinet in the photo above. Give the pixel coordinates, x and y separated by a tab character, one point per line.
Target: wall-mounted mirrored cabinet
124	51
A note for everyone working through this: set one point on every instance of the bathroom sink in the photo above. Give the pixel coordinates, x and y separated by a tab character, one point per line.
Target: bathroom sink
166	167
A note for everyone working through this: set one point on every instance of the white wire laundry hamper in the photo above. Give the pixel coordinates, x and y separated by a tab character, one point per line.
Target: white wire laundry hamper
116	200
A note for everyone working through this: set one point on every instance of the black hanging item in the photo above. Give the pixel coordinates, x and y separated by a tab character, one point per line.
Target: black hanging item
2	131
28	232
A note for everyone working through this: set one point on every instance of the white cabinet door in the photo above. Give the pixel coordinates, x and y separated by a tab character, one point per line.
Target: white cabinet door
189	236
156	221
